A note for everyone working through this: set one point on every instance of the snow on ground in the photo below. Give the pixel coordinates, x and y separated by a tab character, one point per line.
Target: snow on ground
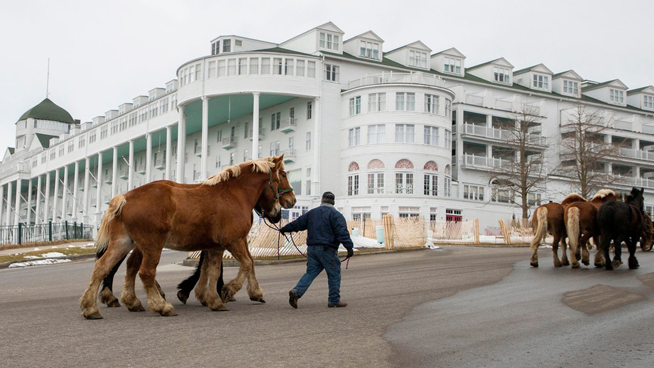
38	262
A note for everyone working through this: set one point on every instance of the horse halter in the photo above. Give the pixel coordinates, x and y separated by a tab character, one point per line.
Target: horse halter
278	193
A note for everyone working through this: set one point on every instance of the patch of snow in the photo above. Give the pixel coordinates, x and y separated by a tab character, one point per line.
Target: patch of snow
53	255
31	257
36	249
363	242
39	262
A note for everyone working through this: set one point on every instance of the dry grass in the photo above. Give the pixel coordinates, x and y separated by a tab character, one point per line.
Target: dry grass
73	251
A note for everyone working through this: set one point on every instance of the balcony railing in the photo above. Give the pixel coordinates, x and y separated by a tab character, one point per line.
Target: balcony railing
262	133
229	142
288	125
501	134
289	155
387	78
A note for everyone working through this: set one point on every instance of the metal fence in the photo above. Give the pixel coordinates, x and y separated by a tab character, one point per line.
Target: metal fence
23	233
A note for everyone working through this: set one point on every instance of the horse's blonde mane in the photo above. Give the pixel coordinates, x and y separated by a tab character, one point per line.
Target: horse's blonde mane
603	193
262	165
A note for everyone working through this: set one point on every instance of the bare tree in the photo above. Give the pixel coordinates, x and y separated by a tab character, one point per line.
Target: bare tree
522	169
585	150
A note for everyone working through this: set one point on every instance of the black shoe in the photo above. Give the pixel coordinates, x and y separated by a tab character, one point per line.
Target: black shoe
337	305
292	299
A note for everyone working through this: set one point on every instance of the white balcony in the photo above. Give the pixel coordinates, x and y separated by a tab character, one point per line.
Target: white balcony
229	142
288	125
262	134
290	155
408	78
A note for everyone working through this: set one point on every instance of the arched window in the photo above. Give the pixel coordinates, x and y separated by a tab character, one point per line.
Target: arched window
404	177
353	179
430	182
375	177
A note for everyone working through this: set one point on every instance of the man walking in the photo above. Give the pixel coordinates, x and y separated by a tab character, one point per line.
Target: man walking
326	230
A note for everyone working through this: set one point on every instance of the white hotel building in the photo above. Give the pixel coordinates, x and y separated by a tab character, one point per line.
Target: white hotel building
407	132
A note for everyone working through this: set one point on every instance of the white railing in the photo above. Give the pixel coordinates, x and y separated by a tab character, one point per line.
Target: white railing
387	78
288	124
497	133
624	125
474	100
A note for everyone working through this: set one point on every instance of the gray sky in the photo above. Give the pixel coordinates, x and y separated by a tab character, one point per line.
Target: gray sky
104	53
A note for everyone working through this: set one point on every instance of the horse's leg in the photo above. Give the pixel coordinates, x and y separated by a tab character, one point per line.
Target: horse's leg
148	272
213	299
564	252
201	287
116	250
606	249
185	287
583	244
129	294
617	248
599	255
555	249
255	292
106	294
631	245
240	252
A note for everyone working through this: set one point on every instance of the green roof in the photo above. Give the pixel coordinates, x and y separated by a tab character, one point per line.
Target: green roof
45	139
48	110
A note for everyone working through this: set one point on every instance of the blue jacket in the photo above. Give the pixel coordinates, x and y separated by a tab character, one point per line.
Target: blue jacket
325	225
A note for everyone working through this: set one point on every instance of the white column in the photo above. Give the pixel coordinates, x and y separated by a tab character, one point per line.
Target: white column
8	219
255	126
130	167
148	157
17	206
169	147
114	174
315	145
28	221
46	204
489	120
37	220
64	195
181	145
98	190
85	205
2	201
205	138
75	190
56	195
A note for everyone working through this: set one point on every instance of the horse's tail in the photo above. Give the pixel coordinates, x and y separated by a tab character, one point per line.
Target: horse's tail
572	228
114	210
540	232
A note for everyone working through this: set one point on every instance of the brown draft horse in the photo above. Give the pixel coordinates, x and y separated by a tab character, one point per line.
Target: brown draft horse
648	233
214	216
581	224
548	218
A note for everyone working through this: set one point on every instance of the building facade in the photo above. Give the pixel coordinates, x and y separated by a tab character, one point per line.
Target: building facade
407	132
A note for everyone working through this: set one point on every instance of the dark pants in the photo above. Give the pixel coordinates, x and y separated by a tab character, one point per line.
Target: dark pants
322	258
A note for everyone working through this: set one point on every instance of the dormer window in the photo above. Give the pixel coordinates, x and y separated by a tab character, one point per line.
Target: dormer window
648	102
329	41
227	45
452	65
417	58
541	81
215	48
369	50
571	87
616	96
501	74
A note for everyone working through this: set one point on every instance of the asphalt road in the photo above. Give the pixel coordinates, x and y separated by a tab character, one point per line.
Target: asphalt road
458	307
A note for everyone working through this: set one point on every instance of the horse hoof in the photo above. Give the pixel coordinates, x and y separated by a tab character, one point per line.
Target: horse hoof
220	308
94	315
534	264
260	300
616	264
168	312
113	304
136	308
599	265
576	265
183	297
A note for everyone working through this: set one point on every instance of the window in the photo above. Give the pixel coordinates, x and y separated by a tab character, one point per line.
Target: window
289	67
533	199
541	81
417	58
274	148
103	132
431	184
231	67
311	69
329	41
82	142
616	96
353	179
404	133
403	179
242	66
448	108
246	155
219	136
405	101
355	105
376	102
447	186
277	66
227	45
501	75
275	121
92	136
211	70
291	145
331	73
448	139
231	158
376	134
265	66
215	48
648	102
431	104
353	137
309	109
452	65
473	192
571	87
246	130
308	141
300	68
376	183
369	50
254	66
431	135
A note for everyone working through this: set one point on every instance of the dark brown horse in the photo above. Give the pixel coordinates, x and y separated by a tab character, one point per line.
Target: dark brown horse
648	233
621	221
215	216
548	218
581	224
